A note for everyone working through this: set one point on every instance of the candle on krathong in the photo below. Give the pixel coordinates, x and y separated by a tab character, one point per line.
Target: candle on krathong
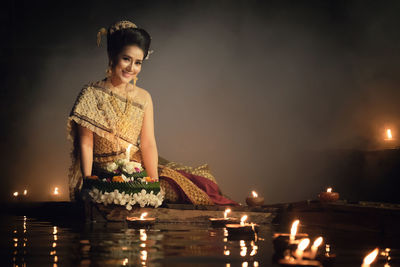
370	258
314	247
128	152
143	220
328	196
301	247
254	199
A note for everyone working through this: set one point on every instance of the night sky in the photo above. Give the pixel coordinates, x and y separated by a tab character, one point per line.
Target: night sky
262	91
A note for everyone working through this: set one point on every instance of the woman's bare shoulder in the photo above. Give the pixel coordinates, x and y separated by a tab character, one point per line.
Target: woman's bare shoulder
143	92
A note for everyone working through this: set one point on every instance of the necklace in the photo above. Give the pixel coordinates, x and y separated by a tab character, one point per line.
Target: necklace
117	123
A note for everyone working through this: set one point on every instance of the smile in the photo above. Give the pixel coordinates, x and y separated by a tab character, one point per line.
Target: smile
126	74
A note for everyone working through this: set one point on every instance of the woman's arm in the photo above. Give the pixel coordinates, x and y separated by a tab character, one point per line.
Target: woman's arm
148	144
86	146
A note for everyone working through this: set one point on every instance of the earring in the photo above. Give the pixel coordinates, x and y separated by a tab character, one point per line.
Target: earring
134	81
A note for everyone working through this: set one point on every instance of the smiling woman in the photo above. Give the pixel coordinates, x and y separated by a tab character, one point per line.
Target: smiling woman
112	127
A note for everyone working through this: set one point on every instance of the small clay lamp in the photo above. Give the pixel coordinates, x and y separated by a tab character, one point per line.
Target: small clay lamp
218	222
328	196
140	221
242	228
254	200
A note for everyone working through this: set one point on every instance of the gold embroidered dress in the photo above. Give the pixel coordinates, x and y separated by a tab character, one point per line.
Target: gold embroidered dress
116	122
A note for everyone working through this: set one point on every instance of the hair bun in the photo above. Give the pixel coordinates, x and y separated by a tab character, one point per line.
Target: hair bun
122	24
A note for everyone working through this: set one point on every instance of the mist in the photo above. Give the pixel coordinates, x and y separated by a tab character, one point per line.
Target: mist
261	91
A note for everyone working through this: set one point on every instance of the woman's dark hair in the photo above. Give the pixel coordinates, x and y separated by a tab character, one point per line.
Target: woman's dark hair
117	40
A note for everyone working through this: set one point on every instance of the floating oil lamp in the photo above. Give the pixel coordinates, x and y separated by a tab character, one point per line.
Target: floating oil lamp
298	254
291	261
315	246
283	241
301	247
370	258
140	221
328	196
254	199
224	220
242	228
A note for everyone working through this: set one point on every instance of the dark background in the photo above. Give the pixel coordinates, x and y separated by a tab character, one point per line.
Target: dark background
281	97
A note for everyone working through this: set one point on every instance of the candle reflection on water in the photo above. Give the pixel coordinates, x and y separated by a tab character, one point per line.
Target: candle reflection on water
143	252
54	245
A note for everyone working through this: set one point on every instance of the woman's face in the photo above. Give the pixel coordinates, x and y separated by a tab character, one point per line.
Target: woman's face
128	65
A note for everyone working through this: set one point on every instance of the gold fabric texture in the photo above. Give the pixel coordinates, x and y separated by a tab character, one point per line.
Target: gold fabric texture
195	194
116	122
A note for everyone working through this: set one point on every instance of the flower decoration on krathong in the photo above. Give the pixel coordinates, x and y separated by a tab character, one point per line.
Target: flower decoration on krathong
142	198
123	170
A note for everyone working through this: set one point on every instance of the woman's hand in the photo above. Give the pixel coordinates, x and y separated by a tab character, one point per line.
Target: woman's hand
86	149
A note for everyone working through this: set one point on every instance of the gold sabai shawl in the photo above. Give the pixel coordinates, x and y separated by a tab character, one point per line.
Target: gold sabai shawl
115	121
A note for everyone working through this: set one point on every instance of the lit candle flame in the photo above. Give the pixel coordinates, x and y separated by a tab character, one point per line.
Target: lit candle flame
389	134
329	190
15	194
254	194
128	152
243	219
25	192
293	230
371	256
317	242
226	213
303	244
144	214
56	191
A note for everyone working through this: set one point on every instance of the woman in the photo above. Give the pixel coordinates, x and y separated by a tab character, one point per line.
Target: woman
111	114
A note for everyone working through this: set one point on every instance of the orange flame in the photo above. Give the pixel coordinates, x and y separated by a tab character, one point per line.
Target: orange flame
243	219
329	190
389	134
144	214
56	191
317	242
303	244
25	192
254	193
226	213
293	230
15	194
371	256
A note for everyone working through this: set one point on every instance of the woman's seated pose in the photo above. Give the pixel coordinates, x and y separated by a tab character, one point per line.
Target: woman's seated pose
113	113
